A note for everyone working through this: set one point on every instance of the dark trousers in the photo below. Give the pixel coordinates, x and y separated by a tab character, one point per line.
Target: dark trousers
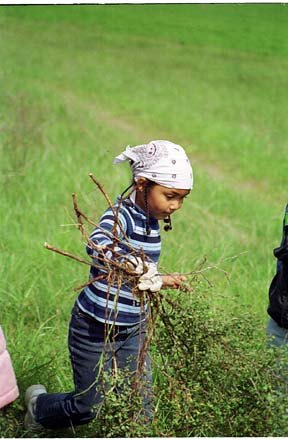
86	345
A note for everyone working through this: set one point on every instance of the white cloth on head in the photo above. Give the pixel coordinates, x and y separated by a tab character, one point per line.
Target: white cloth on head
160	161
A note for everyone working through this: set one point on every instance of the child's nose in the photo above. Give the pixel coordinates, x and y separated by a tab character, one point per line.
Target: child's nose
175	205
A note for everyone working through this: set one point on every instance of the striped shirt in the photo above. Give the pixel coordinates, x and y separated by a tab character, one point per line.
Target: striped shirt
110	303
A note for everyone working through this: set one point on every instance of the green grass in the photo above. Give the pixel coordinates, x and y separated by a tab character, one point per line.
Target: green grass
82	82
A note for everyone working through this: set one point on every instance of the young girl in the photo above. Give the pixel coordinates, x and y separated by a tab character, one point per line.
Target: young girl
162	178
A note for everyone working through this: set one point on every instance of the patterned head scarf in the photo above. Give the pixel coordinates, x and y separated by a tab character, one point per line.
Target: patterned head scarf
160	161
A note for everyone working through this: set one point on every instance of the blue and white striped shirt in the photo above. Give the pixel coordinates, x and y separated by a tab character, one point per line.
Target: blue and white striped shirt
105	302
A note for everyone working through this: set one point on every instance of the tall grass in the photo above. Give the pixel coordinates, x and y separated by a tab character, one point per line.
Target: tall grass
82	82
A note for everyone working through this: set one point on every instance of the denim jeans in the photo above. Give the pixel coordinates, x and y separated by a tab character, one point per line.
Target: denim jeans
276	336
86	346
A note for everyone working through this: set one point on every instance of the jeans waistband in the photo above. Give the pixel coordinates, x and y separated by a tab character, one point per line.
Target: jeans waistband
113	332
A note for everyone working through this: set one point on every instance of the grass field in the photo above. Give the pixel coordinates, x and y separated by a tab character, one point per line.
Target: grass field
79	83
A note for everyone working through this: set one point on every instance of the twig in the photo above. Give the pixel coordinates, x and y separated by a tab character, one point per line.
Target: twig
79	215
115	212
211	267
69	255
91	281
100	187
229	258
84	261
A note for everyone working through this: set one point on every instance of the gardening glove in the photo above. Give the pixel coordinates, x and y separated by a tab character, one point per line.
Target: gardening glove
135	264
151	280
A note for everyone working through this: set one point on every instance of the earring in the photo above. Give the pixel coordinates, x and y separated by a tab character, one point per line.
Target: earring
168	222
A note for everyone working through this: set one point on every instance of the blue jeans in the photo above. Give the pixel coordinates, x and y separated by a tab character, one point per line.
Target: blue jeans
276	336
86	346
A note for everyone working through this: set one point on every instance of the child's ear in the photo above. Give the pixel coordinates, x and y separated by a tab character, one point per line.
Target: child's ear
141	183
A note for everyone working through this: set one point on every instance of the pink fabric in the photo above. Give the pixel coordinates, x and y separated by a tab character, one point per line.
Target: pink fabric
8	385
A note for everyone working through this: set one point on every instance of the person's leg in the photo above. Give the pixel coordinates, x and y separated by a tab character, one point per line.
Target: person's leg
276	336
277	339
59	410
127	348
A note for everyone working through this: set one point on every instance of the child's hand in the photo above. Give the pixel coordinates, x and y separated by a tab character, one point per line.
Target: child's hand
173	281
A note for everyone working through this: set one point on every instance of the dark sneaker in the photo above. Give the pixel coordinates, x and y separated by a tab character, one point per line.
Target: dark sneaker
31	396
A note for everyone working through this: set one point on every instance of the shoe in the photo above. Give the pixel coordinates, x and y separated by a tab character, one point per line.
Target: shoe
31	396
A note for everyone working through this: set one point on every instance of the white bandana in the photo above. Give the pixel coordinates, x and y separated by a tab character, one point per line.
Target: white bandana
160	161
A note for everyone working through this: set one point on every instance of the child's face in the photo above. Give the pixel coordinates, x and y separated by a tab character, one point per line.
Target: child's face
163	201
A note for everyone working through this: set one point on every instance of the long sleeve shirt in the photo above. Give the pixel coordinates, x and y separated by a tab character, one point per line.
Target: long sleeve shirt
111	303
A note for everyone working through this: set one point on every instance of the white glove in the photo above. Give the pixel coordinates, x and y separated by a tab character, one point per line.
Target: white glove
151	280
135	264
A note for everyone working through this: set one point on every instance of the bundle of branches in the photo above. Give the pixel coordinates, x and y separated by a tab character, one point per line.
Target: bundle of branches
118	273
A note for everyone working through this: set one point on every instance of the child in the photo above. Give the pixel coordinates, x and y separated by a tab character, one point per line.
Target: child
162	178
8	385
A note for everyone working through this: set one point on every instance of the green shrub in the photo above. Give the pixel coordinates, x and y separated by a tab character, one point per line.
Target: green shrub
216	377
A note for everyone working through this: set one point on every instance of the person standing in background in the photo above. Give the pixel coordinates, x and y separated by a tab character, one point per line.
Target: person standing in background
277	328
